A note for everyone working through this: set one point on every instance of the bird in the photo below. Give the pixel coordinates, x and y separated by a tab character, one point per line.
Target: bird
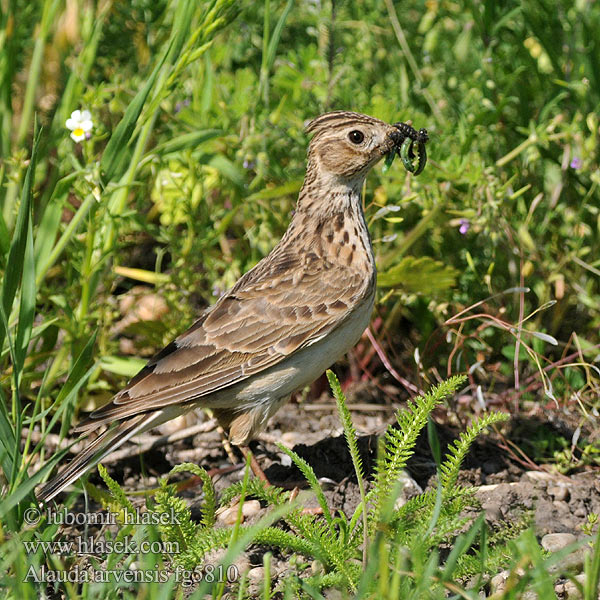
284	322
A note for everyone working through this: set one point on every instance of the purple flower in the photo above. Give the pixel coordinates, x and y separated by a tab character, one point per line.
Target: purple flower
576	163
248	164
179	106
465	225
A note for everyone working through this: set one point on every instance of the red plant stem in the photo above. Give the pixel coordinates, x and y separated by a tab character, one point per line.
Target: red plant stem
520	326
386	363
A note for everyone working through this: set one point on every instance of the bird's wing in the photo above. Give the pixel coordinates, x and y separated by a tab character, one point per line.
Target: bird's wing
283	304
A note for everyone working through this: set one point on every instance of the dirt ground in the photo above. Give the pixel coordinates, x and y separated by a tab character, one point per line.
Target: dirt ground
509	486
560	503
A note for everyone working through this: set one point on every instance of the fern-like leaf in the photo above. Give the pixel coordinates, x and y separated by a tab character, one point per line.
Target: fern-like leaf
350	434
457	451
118	501
310	476
271	494
349	431
210	501
399	442
178	527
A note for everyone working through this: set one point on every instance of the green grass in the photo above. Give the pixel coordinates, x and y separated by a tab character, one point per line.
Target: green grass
192	168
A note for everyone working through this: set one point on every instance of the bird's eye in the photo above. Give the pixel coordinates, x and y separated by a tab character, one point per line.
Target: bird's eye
356	137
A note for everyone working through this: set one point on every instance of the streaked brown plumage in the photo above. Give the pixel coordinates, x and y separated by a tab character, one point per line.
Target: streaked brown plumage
282	324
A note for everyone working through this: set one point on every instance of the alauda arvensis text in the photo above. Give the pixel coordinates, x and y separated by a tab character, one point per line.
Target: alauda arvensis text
282	324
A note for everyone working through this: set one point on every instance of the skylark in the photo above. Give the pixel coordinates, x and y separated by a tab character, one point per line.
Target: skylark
283	323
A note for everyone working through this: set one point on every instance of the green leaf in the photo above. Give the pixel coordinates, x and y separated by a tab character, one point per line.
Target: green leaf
126	366
228	169
27	306
113	160
291	187
7	438
187	140
78	372
27	486
310	476
276	35
16	253
508	352
4	236
419	275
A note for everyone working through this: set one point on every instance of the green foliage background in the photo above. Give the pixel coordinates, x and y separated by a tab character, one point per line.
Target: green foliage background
508	91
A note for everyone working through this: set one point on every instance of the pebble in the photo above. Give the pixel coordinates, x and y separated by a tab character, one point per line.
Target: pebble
561	506
241	564
482	489
256	574
557	541
569	590
289	439
539	476
249	509
409	489
498	582
285	460
327	484
493	510
229	515
553	542
316	567
489	487
558	492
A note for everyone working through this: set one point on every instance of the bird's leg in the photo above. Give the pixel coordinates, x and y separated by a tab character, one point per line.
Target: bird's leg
226	445
256	468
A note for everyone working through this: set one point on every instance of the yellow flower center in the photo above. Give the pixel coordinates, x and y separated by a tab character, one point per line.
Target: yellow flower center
78	131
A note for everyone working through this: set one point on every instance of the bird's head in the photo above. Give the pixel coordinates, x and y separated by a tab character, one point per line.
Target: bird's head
346	145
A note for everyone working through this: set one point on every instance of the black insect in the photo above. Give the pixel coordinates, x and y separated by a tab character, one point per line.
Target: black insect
410	145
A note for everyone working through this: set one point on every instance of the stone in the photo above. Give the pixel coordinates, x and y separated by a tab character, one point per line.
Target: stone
256	574
539	476
250	508
570	589
561	506
498	582
553	542
493	511
409	489
558	491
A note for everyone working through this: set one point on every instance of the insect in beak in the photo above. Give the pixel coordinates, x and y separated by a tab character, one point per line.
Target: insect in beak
410	145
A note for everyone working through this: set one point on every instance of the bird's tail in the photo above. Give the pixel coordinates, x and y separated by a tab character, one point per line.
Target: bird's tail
97	450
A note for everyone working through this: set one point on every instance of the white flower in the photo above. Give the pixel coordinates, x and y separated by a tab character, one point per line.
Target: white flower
80	123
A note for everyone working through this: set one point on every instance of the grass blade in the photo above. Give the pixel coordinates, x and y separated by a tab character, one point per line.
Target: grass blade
116	151
16	253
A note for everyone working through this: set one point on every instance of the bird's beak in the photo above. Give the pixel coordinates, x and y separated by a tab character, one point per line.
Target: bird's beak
396	138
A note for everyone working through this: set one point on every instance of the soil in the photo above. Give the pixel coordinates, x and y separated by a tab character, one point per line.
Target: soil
510	486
